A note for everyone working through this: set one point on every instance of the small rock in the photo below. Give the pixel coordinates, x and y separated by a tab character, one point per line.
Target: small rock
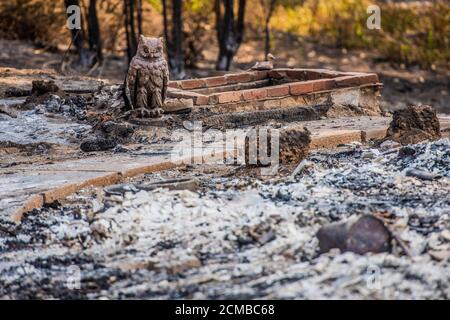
440	255
421	174
389	144
176	184
406	152
446	235
120	149
177	105
120	189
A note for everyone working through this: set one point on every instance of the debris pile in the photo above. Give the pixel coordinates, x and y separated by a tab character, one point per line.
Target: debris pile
414	124
71	106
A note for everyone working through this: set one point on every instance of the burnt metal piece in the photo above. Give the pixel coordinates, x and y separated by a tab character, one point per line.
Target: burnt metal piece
422	174
97	144
361	235
175	184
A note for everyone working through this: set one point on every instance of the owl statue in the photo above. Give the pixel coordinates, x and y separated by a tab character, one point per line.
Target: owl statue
147	78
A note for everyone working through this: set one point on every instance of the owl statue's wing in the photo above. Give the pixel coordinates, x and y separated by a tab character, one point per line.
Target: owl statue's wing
165	82
130	83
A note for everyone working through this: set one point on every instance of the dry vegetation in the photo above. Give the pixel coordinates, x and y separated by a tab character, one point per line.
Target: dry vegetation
412	32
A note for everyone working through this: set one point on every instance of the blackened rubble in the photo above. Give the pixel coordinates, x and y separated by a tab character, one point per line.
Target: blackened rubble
243	238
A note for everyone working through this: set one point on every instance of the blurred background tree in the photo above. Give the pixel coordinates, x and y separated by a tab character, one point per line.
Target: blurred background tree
230	30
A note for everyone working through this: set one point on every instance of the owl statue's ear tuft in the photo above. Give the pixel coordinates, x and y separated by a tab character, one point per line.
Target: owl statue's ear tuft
141	37
161	39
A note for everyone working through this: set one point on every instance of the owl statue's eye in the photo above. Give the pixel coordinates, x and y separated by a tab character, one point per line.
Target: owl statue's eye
146	50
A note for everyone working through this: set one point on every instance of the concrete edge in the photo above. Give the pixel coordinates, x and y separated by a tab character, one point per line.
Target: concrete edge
325	141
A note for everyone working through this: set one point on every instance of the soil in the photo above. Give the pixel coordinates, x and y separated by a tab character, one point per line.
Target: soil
414	124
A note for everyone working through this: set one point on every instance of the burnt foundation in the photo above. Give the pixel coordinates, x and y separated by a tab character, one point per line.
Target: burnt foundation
343	92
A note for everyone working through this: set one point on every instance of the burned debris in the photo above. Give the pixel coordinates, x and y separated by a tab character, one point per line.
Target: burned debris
338	205
244	240
414	124
358	235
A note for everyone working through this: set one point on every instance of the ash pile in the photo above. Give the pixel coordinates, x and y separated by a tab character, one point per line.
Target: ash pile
237	237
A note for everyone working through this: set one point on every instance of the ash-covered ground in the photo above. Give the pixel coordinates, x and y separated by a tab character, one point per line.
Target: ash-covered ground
236	237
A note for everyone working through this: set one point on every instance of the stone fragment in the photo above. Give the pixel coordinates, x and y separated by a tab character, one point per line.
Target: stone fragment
176	105
175	184
421	174
389	144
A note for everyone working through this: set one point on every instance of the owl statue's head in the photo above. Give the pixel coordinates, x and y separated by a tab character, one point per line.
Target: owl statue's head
149	48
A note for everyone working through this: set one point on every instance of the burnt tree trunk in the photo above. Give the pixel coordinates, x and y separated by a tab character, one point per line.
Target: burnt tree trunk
165	21
78	39
174	37
133	25
269	14
177	60
230	31
139	16
95	43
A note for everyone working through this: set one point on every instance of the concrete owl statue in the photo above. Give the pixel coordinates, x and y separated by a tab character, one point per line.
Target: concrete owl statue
147	78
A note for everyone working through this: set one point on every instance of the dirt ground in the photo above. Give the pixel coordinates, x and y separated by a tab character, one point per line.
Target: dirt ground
403	85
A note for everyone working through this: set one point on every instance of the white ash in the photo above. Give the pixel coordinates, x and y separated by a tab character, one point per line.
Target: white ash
253	240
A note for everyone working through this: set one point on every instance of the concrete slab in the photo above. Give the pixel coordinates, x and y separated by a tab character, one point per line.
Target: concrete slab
31	186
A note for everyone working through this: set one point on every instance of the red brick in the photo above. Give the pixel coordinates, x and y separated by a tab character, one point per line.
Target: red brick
259	75
201	100
182	94
297	74
193	84
278	91
239	78
327	74
216	81
368	78
277	74
303	87
254	94
347	81
198	99
313	75
226	97
323	84
174	84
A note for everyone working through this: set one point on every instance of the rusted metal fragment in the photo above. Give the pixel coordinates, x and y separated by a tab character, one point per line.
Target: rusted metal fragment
360	235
